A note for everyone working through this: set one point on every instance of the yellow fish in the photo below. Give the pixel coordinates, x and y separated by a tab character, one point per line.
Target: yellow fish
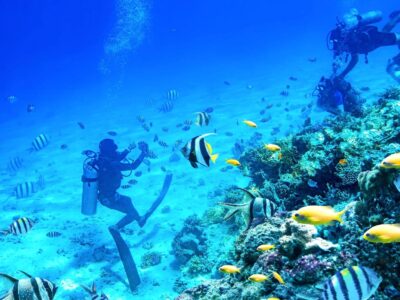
229	269
273	298
278	277
318	215
250	123
233	162
384	233
391	162
258	278
342	161
272	147
265	247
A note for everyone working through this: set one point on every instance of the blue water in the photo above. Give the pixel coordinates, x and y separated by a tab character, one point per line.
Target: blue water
75	63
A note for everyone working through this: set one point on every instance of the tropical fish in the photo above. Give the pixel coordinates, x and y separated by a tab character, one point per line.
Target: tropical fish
233	162
30	108
155	139
342	161
254	212
384	233
19	226
81	125
318	215
172	95
284	93
391	162
265	247
145	127
273	298
163	144
112	133
53	234
354	283
198	151
33	288
272	147
15	164
202	119
26	189
93	292
12	99
167	106
278	277
140	119
188	122
250	123
229	269
258	278
63	146
40	142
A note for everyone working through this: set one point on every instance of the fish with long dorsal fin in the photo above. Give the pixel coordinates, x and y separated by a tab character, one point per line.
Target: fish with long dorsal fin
256	211
93	292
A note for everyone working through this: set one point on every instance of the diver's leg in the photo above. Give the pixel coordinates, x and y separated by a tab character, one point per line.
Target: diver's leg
393	68
394	19
124	204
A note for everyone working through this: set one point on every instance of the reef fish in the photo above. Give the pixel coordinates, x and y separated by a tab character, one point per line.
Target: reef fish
19	226
258	278
233	162
172	95
354	283
202	119
94	295
265	247
40	142
198	151
250	123
272	147
391	162
15	164
229	269
318	215
278	277
384	233
254	212
30	288
167	106
26	189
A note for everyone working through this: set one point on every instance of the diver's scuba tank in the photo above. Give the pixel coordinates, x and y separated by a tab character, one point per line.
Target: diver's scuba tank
354	19
90	185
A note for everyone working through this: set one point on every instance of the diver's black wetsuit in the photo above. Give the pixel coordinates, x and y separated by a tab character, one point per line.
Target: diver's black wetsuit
109	179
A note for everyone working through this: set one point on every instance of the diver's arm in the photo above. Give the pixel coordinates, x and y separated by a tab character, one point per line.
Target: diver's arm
138	161
123	154
350	66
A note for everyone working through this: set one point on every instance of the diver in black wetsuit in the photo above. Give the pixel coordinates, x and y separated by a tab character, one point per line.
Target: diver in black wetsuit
355	35
110	165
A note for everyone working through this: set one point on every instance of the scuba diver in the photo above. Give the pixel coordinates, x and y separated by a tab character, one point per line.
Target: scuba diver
109	165
354	35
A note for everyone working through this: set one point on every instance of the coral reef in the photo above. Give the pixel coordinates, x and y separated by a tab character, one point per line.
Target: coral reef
332	163
150	259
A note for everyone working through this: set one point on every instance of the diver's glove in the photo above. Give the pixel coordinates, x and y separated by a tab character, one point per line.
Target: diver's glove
131	147
144	147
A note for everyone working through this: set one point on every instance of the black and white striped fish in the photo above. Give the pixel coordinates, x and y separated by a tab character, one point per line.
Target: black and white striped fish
163	144
202	119
19	226
40	142
167	106
15	164
198	151
354	283
26	189
53	234
172	95
255	212
32	288
93	293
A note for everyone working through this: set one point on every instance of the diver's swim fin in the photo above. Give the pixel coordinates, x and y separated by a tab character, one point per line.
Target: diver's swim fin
127	259
160	198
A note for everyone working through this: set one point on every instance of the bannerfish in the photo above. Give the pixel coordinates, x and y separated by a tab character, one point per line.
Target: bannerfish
355	283
229	269
167	106
29	288
202	119
250	123
93	292
26	189
258	278
318	215
40	142
198	151
172	94
20	226
391	162
384	233
233	162
256	211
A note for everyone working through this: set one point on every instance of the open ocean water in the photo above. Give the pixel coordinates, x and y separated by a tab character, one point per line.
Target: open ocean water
156	76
